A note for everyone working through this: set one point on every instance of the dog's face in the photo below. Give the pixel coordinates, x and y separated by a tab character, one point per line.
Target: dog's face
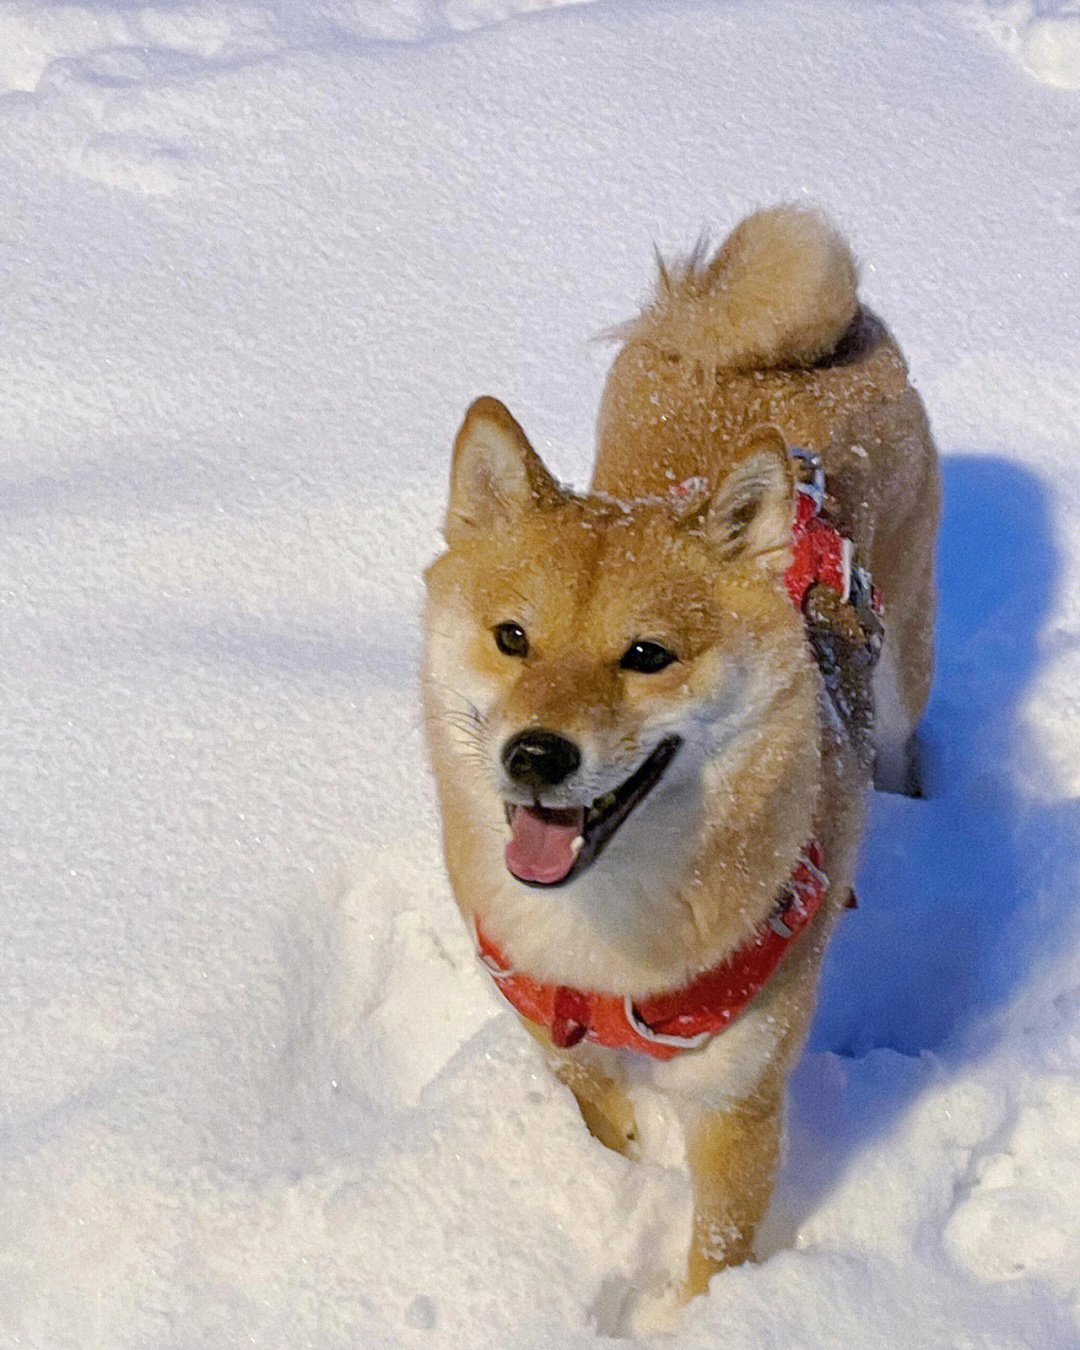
586	656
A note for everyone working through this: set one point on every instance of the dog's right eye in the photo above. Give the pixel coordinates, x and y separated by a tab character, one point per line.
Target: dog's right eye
511	640
647	658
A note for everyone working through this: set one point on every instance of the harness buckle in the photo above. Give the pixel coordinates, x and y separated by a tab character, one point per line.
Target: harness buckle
809	474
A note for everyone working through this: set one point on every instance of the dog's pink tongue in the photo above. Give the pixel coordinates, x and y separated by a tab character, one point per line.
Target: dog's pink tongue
541	846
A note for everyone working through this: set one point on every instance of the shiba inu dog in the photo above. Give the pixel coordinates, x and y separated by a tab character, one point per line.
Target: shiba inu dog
649	705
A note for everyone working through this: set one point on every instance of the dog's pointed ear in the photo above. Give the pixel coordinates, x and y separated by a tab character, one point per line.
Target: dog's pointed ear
495	474
750	514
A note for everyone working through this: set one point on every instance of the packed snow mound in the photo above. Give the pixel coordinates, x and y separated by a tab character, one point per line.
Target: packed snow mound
120	42
1042	35
41	39
256	262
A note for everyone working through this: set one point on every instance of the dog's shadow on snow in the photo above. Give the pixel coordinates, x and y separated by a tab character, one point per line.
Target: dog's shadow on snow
956	891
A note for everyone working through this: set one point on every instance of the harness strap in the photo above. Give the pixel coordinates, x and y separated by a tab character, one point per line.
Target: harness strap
840	606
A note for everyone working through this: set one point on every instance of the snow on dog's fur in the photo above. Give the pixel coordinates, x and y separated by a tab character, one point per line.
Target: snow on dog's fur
574	640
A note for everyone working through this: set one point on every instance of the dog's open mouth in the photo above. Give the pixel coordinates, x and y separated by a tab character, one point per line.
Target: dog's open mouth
547	846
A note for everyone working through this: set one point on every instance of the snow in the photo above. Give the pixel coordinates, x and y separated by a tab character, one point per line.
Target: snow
255	260
1043	37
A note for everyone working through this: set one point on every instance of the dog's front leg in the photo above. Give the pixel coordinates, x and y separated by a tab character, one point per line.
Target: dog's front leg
604	1103
732	1158
606	1110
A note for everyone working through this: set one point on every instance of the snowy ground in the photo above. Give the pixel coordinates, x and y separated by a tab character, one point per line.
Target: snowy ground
254	260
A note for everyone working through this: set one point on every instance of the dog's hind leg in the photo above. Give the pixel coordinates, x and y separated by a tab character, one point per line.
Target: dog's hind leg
733	1157
906	669
901	689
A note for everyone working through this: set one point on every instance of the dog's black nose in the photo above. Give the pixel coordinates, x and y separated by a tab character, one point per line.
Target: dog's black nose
540	759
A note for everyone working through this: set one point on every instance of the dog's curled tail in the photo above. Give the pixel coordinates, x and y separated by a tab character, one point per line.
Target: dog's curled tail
780	291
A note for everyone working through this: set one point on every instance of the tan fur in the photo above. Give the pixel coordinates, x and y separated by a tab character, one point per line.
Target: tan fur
779	292
760	347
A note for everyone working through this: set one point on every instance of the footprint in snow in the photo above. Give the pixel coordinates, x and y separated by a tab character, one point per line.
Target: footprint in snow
133	163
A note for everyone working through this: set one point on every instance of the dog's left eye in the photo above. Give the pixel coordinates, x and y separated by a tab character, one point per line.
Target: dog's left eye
647	658
511	640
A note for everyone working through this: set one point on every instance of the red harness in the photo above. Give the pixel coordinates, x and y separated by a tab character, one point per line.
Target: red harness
666	1024
819	552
